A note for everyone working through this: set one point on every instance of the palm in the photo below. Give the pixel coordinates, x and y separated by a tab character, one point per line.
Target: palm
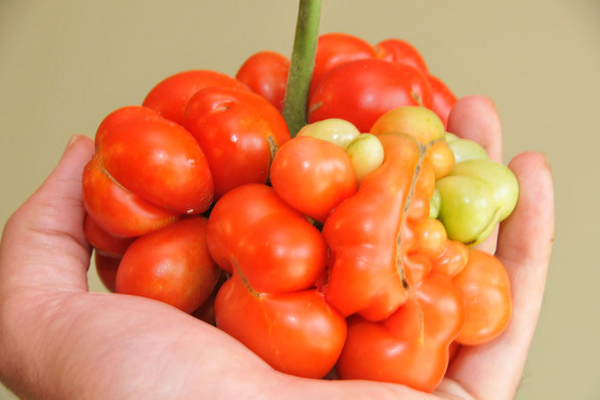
60	341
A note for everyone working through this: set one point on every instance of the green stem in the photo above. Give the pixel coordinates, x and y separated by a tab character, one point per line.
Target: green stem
302	64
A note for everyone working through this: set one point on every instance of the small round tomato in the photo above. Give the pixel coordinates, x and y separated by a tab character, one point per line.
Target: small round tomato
363	90
266	73
238	131
171	265
485	287
170	96
313	176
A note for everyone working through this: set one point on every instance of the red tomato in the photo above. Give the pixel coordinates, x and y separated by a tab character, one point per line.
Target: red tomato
266	73
362	91
485	287
252	230
171	265
411	347
239	132
103	241
401	51
296	333
313	176
334	49
146	172
271	303
171	95
366	234
443	98
106	268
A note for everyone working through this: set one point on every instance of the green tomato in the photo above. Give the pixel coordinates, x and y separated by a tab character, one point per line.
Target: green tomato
434	203
499	177
366	155
468	208
465	149
335	130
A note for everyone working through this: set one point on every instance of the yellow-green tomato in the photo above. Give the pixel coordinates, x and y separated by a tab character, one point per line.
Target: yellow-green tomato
335	130
434	203
499	177
366	155
468	208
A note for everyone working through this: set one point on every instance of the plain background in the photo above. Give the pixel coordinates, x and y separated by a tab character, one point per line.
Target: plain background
65	64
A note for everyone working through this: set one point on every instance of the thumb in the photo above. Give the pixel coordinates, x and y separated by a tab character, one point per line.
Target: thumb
43	241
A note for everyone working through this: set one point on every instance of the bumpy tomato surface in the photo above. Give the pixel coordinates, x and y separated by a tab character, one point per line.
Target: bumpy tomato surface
271	302
361	91
401	51
238	131
170	96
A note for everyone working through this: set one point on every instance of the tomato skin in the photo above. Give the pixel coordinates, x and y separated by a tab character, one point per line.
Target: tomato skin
107	266
411	347
401	51
118	211
485	287
364	272
158	160
252	230
363	90
443	98
313	176
170	96
296	333
266	73
238	131
171	265
104	241
337	48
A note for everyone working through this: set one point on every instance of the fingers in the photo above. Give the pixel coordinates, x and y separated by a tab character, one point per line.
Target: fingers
476	118
51	223
524	246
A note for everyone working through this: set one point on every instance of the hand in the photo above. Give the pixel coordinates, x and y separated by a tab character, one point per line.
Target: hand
59	341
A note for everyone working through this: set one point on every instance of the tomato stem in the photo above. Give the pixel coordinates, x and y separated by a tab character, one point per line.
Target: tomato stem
302	64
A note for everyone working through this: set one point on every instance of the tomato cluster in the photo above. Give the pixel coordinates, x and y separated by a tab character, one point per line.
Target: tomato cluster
346	247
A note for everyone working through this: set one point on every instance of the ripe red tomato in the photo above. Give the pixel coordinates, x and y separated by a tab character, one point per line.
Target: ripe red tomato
363	90
485	287
170	96
239	132
266	73
146	172
411	347
313	176
271	303
106	267
171	265
336	48
401	51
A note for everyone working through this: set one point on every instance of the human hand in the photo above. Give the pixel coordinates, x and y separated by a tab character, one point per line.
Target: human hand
59	341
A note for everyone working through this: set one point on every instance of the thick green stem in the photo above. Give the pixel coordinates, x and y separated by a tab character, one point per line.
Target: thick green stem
302	64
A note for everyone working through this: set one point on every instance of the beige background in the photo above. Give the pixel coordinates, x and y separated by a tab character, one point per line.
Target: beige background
64	64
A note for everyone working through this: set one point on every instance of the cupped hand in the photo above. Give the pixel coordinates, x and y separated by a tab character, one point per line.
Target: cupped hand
60	341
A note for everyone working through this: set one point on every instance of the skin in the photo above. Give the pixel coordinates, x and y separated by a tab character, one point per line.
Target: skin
61	342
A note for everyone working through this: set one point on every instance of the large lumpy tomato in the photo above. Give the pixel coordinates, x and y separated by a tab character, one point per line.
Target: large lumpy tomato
146	172
238	131
272	303
363	90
